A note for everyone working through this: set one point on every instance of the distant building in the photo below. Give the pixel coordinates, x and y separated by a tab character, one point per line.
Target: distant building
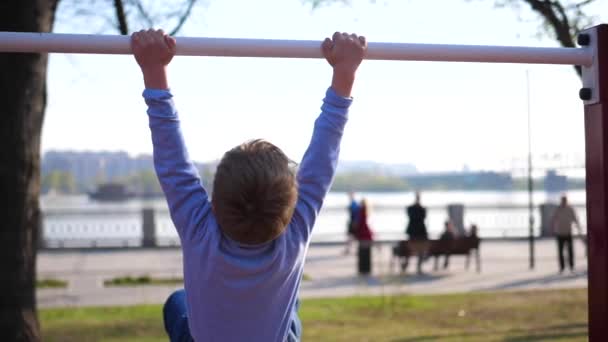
90	168
555	182
93	167
481	180
350	166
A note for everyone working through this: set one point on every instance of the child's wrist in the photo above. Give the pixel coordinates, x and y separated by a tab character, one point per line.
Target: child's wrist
152	67
345	70
155	77
342	82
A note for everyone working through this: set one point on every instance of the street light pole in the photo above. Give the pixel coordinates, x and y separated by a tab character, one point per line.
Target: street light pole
530	180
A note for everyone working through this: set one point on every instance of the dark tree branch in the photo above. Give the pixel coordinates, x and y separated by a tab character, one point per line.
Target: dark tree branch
555	16
584	3
144	14
120	15
318	3
562	13
140	13
183	18
560	26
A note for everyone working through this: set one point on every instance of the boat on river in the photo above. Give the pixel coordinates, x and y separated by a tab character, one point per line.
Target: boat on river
112	192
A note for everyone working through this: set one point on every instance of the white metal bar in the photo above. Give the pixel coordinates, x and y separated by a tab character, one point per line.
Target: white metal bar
233	47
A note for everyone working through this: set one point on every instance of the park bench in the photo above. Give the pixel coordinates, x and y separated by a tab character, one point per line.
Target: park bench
436	248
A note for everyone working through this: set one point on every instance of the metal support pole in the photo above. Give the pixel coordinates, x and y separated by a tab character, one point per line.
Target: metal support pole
595	95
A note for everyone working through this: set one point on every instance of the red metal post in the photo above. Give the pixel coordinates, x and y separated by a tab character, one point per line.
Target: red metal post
596	141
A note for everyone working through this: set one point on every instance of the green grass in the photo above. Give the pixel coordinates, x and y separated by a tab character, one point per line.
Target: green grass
142	280
51	283
551	315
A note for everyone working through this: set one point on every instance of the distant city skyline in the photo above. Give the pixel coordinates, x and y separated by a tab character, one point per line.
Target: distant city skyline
62	160
438	116
81	172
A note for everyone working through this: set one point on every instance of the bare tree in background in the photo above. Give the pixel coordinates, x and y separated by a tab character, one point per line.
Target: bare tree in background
23	98
561	20
125	16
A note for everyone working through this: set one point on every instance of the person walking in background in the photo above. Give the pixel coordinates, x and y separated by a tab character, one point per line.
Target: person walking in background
561	223
416	230
365	237
351	227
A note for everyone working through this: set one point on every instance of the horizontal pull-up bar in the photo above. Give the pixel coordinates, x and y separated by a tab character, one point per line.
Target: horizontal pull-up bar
234	47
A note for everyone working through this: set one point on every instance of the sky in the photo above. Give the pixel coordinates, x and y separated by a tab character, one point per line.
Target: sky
438	116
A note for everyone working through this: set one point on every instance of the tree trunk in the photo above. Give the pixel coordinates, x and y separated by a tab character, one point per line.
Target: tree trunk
22	104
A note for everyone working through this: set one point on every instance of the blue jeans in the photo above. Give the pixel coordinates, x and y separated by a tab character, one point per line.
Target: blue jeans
175	316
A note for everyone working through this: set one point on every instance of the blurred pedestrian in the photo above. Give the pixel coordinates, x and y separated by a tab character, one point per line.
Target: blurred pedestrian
561	223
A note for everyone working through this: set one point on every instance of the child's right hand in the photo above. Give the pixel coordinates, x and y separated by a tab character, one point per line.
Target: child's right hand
344	52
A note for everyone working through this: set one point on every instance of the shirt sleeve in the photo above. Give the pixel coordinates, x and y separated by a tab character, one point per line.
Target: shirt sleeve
318	166
186	197
574	216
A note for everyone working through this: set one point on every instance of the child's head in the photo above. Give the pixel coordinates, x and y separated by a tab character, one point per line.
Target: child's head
254	192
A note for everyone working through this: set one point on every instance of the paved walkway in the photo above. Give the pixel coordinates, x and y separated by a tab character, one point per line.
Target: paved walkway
505	266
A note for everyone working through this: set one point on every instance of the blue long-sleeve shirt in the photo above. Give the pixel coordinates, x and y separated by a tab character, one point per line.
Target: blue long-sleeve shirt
237	292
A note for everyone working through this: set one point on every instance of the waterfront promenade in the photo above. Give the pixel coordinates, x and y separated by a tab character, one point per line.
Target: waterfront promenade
329	273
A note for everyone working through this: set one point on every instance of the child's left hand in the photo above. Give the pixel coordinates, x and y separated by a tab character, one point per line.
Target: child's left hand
152	48
153	51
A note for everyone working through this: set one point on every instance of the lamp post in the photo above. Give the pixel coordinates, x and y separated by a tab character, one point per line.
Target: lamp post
530	179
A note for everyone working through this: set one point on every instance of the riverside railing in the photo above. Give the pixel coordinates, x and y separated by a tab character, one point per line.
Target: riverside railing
147	227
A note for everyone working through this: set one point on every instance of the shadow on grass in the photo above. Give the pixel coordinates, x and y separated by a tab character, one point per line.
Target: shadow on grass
371	281
325	257
549	333
545	337
538	281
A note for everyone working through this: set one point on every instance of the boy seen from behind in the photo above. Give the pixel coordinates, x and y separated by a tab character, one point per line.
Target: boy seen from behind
243	250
